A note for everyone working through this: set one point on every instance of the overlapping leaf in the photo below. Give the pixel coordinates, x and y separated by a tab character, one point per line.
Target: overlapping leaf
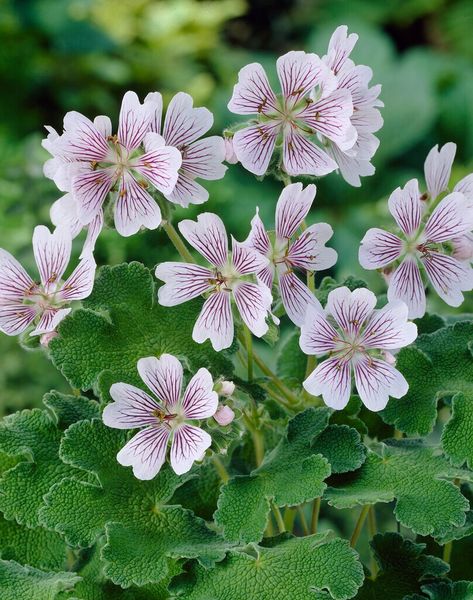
293	473
445	590
18	582
457	436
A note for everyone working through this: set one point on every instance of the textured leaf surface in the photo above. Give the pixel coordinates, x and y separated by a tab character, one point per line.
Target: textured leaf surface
440	364
292	473
403	565
22	583
442	590
143	532
121	323
457	436
413	475
296	568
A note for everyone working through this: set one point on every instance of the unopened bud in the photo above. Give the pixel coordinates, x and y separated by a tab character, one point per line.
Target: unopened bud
389	358
225	388
47	337
230	156
224	415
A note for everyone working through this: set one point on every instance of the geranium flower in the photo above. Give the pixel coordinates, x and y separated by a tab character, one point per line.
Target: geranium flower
162	417
201	158
23	301
366	118
426	241
355	335
89	162
294	119
306	252
229	277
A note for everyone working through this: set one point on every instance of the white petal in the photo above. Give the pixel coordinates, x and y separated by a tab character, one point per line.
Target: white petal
163	376
350	309
254	303
215	322
247	260
135	207
339	48
379	248
50	319
93	231
184	124
302	157
406	207
293	207
134	120
157	100
449	276
15	283
146	452
452	217
317	334
388	327
254	145
82	140
376	380
189	444
200	401
437	168
465	186
90	188
159	164
16	317
296	297
131	408
183	281
252	94
258	238
204	158
187	191
63	213
208	236
308	251
332	380
52	252
406	285
80	283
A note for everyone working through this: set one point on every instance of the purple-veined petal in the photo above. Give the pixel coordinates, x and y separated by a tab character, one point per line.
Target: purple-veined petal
94	229
406	207
296	297
183	281
351	167
82	140
437	168
189	444
104	125
204	158
134	120
131	408
16	317
215	322
157	100
339	48
376	380
292	208
388	328
159	164
52	252
90	188
15	283
146	451
208	236
187	191
258	237
252	94
50	319
465	186
200	401
318	336
379	248
308	251
184	124
163	376
135	207
406	284
299	72
63	213
355	79
452	217
366	120
80	283
330	116
302	157
350	309
449	276
254	145
332	380
463	247
254	304
247	260
266	276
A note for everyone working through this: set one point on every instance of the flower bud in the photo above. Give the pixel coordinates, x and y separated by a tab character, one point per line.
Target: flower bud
230	156
389	358
224	415
47	337
224	388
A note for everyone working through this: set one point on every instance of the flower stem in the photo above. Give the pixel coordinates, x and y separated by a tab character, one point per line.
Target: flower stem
305	526
175	238
220	468
372	528
249	351
359	525
447	552
285	391
314	521
278	517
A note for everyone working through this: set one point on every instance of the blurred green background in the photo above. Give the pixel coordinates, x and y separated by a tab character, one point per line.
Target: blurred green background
60	55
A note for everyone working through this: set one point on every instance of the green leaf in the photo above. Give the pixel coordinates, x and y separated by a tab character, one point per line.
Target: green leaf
121	323
457	436
70	409
466	529
291	361
342	447
292	473
18	582
413	475
403	565
296	568
440	364
34	437
445	590
144	534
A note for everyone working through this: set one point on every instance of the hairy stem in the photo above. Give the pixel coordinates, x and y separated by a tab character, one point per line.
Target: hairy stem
220	468
249	351
278	517
177	242
372	528
305	526
314	521
359	525
447	552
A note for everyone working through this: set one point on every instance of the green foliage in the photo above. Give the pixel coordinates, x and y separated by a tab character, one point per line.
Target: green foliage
443	590
18	582
457	436
292	473
416	476
121	323
295	568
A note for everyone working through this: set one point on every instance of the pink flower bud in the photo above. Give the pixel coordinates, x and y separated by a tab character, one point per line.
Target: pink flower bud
230	156
226	388
224	415
47	337
389	358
